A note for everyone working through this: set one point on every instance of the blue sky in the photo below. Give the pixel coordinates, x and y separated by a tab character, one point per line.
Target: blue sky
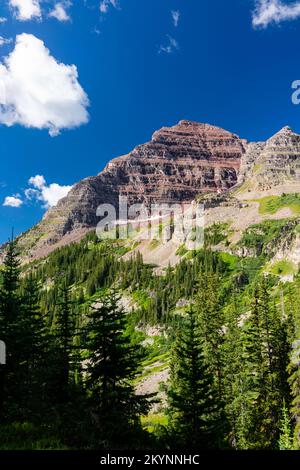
139	71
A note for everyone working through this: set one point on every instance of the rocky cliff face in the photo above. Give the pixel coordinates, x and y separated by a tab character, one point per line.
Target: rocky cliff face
266	165
178	164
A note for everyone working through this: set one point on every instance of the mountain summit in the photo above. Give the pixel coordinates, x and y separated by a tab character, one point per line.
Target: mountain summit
180	163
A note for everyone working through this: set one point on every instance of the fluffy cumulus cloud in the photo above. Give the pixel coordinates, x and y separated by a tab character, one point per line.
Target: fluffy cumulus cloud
37	181
13	201
38	91
39	191
274	11
25	10
49	195
60	11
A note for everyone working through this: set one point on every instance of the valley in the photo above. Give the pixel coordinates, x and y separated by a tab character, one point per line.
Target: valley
247	271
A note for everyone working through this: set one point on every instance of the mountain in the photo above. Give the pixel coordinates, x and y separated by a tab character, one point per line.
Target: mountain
180	164
243	282
266	165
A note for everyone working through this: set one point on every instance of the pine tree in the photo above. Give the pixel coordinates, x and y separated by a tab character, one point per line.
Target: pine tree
10	308
211	322
232	350
264	360
34	340
286	434
294	364
112	365
294	381
64	357
193	406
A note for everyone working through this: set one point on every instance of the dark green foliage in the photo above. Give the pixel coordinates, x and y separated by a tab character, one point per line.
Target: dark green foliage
293	314
71	371
216	234
63	350
12	333
35	339
193	406
262	238
112	364
211	321
263	378
286	433
232	352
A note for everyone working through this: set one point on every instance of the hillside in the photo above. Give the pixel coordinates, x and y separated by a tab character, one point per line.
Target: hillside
240	290
178	164
186	162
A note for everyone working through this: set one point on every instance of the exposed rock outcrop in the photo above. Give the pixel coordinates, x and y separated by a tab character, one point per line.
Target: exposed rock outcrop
181	163
178	164
268	164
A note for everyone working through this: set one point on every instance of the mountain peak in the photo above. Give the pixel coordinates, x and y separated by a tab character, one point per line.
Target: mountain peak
197	125
185	130
180	163
286	131
186	122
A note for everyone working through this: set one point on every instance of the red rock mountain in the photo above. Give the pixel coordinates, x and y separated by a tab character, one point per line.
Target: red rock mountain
179	163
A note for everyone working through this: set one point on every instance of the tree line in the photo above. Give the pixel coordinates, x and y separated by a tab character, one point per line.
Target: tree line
234	375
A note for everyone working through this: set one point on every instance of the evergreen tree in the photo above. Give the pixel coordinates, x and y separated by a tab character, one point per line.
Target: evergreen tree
10	329
294	380
211	322
286	434
112	365
264	360
232	349
294	364
193	406
34	350
63	349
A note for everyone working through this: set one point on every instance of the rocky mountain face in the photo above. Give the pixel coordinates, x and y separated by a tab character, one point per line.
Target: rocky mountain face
268	164
179	164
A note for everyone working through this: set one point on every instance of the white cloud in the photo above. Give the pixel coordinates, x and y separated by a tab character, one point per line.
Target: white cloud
25	10
175	17
53	193
40	191
4	41
31	194
37	181
13	201
37	91
274	11
60	11
3	19
169	47
48	194
106	4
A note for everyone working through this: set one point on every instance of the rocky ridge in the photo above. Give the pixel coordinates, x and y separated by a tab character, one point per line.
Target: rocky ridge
178	164
266	165
181	163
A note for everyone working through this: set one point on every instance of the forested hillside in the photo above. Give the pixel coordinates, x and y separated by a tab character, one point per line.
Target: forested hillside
87	330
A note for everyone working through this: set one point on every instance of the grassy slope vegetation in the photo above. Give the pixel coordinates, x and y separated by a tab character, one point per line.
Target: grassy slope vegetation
91	266
272	204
